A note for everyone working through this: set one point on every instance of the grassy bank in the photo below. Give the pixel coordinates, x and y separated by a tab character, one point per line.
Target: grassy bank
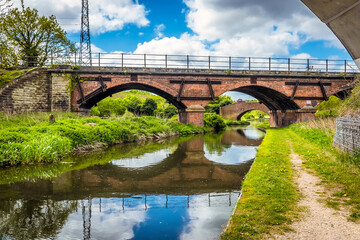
269	193
31	138
340	172
269	200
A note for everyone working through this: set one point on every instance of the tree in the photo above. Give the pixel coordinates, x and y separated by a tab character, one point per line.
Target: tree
5	5
34	37
133	104
149	107
214	106
170	111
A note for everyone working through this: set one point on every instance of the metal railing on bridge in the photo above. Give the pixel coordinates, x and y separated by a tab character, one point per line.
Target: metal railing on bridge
190	62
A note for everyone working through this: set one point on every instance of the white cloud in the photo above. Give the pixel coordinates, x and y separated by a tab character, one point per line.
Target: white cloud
224	19
186	44
158	30
104	16
243	28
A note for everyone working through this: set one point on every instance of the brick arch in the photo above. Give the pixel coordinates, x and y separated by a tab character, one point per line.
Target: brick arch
271	98
242	114
344	93
237	110
131	86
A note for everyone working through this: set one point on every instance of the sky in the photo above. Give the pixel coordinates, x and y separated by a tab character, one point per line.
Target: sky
238	28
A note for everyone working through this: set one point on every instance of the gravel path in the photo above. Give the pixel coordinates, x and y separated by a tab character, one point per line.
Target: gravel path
319	221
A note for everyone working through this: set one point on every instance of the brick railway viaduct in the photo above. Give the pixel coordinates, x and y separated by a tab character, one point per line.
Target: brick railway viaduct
290	96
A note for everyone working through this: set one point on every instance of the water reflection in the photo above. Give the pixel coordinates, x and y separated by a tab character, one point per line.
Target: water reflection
181	192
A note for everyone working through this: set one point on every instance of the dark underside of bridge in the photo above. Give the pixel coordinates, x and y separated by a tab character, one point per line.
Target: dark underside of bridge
93	100
272	99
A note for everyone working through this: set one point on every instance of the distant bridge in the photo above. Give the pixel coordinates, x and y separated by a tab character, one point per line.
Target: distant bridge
288	88
237	110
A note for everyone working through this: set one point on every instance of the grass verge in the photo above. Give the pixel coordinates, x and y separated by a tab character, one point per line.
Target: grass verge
269	196
340	172
269	200
29	140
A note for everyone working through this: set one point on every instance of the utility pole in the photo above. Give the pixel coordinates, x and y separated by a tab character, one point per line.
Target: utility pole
85	44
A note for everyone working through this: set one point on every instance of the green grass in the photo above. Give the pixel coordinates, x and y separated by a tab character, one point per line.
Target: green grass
83	160
31	138
269	200
269	195
337	170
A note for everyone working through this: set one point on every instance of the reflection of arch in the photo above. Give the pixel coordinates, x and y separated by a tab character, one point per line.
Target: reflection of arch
243	113
131	86
271	98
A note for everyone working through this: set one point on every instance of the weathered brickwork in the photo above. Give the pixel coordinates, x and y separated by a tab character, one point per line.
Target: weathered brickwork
237	110
29	93
60	96
290	97
347	136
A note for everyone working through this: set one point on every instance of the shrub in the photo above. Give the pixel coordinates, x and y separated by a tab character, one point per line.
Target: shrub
170	111
108	107
214	121
149	107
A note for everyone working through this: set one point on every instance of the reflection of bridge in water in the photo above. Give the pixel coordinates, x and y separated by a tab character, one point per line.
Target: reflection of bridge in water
185	171
184	179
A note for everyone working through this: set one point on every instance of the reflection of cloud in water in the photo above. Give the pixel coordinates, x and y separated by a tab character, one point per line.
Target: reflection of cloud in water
233	155
110	223
207	222
148	159
253	133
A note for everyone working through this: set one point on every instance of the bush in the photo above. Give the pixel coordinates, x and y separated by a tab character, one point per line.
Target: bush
108	107
214	121
329	108
170	111
133	104
149	107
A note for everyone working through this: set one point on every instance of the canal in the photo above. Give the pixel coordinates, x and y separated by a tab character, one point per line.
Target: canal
180	188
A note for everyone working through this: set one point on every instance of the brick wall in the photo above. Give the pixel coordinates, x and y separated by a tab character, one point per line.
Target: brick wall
29	93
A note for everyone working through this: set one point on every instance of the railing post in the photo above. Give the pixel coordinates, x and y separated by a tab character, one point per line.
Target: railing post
289	67
122	61
144	60
327	65
308	65
269	64
249	64
344	66
209	62
166	62
99	60
187	62
229	63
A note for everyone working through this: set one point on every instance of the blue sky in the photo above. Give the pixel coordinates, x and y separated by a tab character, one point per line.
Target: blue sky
277	28
256	28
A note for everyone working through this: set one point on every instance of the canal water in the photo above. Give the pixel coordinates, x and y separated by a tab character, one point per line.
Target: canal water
181	188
